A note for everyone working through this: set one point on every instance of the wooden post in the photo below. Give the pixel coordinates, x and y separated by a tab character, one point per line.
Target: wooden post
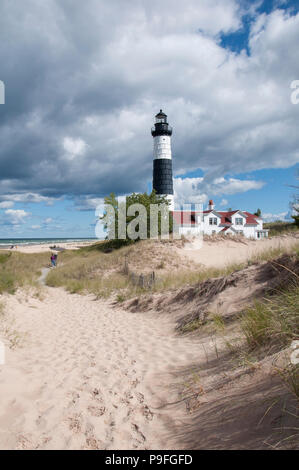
126	267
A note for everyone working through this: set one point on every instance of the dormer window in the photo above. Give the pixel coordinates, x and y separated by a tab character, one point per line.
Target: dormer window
239	221
213	221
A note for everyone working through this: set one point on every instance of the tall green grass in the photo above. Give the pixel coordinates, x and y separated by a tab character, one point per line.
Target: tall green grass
90	271
183	278
93	269
19	269
273	321
103	274
278	228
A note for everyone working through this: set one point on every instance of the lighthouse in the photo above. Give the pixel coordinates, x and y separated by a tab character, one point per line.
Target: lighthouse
162	170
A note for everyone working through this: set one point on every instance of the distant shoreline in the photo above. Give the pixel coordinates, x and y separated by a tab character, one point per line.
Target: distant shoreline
44	245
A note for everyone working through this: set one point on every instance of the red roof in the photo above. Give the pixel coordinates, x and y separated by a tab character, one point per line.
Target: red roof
226	217
250	218
189	217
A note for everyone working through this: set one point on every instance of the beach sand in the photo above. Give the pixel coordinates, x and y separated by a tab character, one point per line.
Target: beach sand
82	373
89	376
44	248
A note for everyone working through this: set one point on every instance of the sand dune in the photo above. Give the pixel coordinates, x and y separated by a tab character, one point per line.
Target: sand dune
220	253
89	376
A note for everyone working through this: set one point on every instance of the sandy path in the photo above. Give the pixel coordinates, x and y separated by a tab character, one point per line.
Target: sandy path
88	376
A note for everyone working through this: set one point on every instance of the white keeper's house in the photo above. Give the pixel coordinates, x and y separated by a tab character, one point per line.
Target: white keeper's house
211	222
208	222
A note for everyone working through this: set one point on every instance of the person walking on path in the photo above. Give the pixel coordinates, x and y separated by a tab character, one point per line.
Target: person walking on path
53	261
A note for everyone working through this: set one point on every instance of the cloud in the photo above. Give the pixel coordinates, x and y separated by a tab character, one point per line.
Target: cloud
36	227
74	147
223	202
15	217
223	185
6	204
88	203
282	216
198	190
186	191
83	85
25	198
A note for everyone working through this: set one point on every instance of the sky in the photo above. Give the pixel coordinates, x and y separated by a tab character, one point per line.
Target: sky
83	82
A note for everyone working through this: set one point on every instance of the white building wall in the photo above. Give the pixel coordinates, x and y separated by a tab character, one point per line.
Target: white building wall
249	232
210	229
162	146
203	225
260	223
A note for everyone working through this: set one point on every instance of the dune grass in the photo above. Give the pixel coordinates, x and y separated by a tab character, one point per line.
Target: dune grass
89	270
271	253
273	324
94	271
183	278
98	269
19	269
278	228
273	320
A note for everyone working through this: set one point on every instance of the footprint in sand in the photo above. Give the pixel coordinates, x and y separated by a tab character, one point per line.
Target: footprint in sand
75	423
96	411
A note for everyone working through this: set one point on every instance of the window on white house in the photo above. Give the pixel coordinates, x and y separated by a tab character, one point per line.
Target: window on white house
213	221
239	221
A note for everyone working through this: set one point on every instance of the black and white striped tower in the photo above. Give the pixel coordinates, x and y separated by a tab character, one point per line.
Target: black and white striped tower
162	172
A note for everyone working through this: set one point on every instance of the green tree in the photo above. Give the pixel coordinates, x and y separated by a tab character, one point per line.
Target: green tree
295	206
258	213
113	217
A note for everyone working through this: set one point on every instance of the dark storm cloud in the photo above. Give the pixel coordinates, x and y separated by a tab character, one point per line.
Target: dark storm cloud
84	80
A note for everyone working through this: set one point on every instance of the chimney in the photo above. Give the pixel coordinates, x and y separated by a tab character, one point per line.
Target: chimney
211	205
